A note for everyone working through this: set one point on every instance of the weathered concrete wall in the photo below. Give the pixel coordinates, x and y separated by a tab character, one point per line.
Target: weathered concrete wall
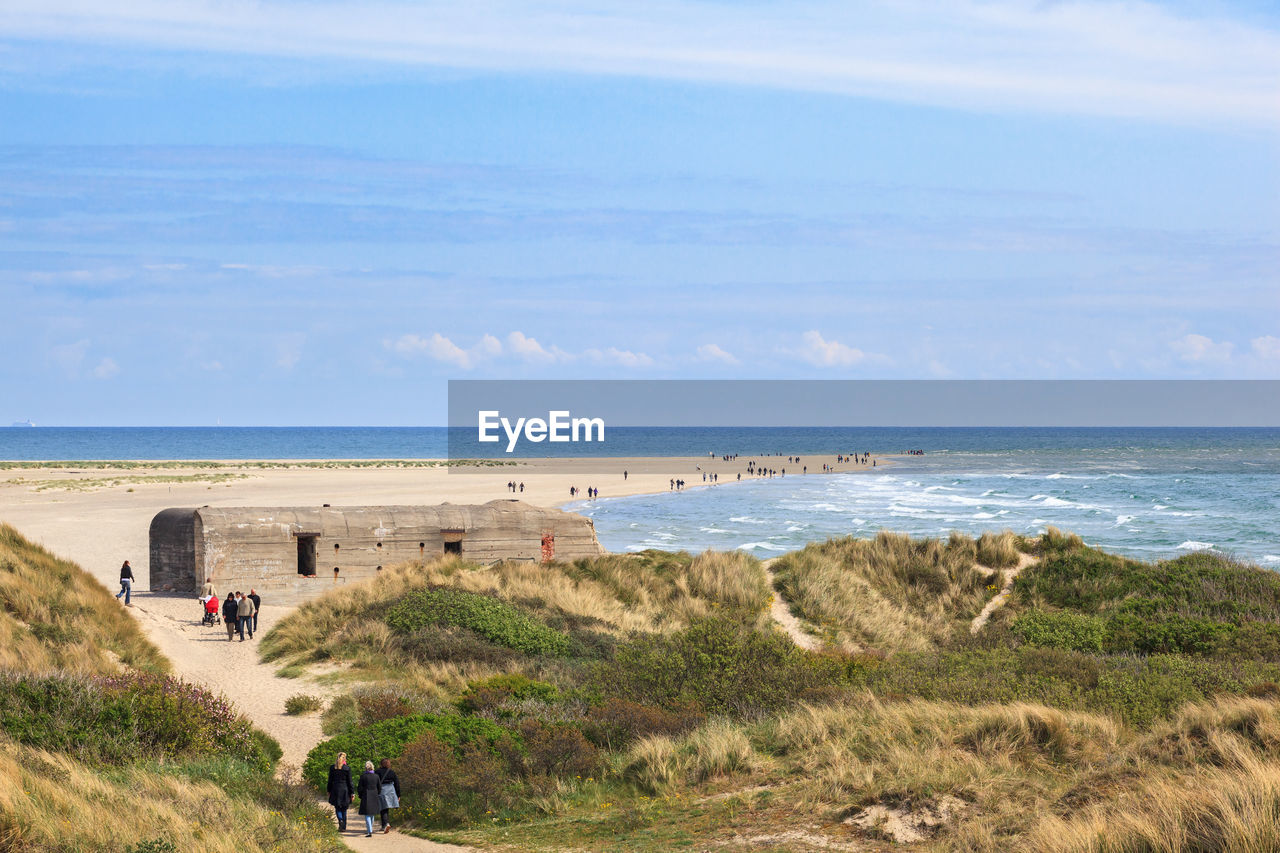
173	555
244	547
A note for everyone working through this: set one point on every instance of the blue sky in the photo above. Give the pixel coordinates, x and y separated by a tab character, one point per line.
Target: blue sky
317	212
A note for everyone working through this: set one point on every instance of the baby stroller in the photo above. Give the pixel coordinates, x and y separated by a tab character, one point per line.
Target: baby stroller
211	611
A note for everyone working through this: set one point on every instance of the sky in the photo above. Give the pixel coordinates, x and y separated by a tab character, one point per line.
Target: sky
311	212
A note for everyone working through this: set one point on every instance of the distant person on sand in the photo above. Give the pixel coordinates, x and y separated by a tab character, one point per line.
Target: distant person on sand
126	584
229	608
390	795
369	790
257	607
340	789
624	475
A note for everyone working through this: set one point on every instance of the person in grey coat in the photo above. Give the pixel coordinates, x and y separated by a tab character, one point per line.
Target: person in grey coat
390	795
244	615
369	789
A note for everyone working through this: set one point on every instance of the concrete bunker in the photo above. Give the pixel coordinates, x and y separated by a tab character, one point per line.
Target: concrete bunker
297	551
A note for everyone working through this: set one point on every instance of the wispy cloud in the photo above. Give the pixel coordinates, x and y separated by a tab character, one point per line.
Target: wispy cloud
713	353
1199	349
820	352
519	347
1133	59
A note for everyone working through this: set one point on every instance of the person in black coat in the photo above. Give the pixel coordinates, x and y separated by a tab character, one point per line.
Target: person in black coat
340	789
388	777
229	607
369	789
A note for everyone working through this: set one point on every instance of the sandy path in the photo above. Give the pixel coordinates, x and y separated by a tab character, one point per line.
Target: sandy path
1010	575
781	613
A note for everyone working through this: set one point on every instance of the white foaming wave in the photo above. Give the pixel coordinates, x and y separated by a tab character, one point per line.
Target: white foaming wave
1158	507
983	515
796	528
899	509
1271	558
1124	519
763	546
746	519
858	521
1192	545
714	530
1047	500
658	534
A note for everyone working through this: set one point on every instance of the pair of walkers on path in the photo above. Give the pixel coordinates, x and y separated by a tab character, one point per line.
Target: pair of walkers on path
378	792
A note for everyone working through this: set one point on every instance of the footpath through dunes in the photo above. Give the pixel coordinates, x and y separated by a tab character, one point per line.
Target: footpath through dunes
780	610
1025	561
201	654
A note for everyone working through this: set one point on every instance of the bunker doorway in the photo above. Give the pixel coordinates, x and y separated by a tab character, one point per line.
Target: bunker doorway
452	541
306	555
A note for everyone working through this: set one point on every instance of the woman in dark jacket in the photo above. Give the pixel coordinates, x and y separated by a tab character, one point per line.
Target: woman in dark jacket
388	777
340	789
229	615
369	789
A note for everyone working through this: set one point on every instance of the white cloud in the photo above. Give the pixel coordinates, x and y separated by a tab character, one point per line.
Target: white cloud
438	348
821	352
712	352
106	368
619	357
530	350
1198	349
1133	59
1266	347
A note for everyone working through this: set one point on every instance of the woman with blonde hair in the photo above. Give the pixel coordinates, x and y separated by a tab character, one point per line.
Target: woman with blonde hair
340	789
369	789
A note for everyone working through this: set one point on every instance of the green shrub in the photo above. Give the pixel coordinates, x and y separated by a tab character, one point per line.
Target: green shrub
1063	630
489	695
122	718
717	665
387	739
302	704
492	619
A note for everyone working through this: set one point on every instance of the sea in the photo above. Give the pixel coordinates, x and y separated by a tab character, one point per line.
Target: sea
1151	493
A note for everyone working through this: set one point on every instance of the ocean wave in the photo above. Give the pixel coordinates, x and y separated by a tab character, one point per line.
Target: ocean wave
764	546
746	519
796	528
980	516
1124	519
1270	558
1192	545
714	530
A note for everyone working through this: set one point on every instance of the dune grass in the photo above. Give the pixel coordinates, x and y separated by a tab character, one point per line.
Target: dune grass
50	803
890	593
55	616
589	600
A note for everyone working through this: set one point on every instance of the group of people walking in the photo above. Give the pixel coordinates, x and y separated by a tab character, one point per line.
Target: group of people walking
239	611
378	792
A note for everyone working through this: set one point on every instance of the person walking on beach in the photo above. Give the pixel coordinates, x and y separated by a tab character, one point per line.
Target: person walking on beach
126	584
207	591
257	608
229	608
340	789
390	792
244	615
369	790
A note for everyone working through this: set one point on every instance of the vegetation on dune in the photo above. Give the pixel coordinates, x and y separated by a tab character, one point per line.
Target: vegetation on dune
677	715
892	593
100	750
54	616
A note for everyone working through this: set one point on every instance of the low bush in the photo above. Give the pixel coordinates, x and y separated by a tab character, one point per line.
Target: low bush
388	739
488	696
120	718
618	723
487	616
302	704
717	665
